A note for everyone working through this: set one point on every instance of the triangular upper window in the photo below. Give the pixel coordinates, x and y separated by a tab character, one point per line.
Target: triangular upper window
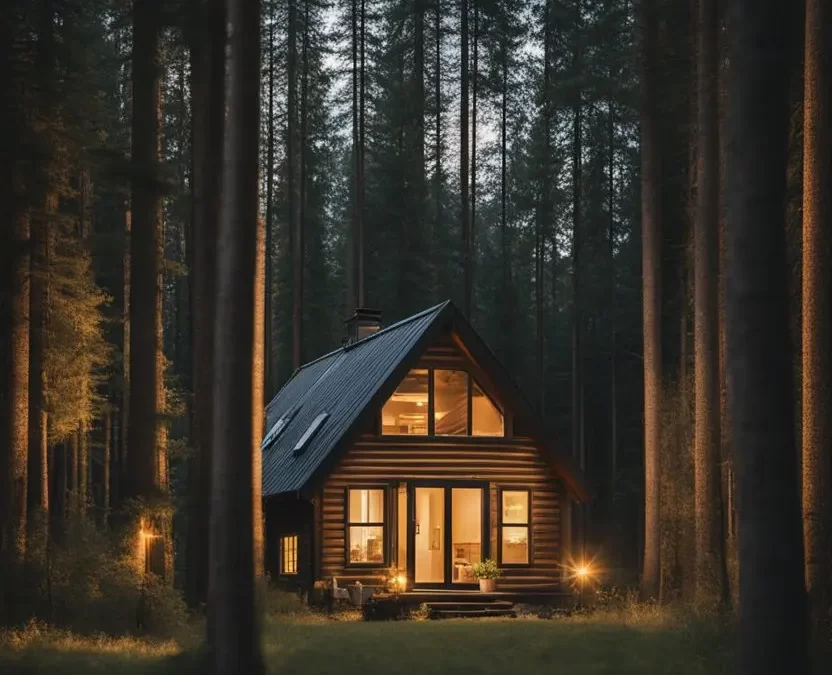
459	405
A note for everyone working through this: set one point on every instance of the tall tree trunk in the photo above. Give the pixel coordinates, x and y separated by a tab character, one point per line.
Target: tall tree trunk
125	347
760	367
257	409
269	387
651	215
817	311
235	633
505	302
13	542
711	574
38	469
470	254
362	146
544	209
438	96
83	466
299	250
463	153
293	200
355	237
577	245
146	262
208	114
611	232
107	457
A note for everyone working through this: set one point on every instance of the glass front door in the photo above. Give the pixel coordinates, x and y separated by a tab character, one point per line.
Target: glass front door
429	535
447	534
466	533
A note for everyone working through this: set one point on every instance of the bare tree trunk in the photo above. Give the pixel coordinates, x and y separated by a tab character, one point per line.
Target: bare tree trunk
83	466
711	574
38	469
463	153
269	366
611	233
108	440
651	215
362	146
235	630
817	312
145	431
295	233
257	409
470	251
760	367
438	96
125	347
15	491
355	237
208	114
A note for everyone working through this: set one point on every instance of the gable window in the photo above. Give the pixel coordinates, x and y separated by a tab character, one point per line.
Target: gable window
486	418
441	402
450	393
514	527
289	554
365	526
406	411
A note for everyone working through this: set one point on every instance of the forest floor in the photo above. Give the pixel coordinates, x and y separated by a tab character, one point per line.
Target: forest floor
314	646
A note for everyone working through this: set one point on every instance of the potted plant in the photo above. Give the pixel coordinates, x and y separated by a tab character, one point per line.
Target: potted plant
488	573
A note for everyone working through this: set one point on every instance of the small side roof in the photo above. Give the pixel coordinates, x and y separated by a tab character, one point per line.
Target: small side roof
344	383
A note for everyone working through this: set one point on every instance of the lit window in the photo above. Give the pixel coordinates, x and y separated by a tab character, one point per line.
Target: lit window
514	527
450	390
406	412
486	418
366	526
289	554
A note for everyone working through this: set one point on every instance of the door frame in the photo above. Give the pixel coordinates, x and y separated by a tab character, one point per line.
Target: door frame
447	485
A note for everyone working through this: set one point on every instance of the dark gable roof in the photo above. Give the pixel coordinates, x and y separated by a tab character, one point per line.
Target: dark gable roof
358	377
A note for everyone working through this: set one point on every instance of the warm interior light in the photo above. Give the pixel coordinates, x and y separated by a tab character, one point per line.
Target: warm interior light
401	581
582	571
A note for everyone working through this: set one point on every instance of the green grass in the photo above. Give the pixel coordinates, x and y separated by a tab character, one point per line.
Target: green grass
595	645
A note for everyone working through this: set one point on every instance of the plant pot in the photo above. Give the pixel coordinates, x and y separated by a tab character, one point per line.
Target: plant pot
487	585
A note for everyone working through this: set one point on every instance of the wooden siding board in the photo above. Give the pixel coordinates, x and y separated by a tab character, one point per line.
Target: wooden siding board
507	462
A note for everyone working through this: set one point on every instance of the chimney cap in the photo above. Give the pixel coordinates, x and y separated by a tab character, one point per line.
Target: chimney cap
365	314
362	323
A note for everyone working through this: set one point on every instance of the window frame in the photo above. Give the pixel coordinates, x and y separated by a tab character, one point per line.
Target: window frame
432	410
500	525
385	530
283	572
380	420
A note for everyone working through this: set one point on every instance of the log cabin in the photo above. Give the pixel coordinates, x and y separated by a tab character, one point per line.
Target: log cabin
412	448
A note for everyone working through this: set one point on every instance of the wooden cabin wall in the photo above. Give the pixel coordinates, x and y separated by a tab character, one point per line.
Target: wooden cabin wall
289	516
504	462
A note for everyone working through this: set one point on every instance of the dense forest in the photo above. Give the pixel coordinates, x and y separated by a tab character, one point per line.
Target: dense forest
574	174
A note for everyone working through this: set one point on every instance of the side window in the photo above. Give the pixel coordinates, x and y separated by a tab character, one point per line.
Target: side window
514	527
289	554
365	526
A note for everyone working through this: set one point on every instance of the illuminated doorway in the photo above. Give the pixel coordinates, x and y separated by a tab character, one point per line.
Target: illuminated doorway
448	534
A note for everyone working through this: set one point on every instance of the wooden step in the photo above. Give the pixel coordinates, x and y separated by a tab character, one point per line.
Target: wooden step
470	613
470	609
469	606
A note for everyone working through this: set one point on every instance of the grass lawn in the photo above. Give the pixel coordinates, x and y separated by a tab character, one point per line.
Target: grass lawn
499	646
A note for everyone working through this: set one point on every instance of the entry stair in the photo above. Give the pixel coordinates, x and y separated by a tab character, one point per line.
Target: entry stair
470	609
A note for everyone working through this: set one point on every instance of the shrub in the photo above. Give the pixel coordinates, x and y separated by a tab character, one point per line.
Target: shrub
278	602
93	583
487	569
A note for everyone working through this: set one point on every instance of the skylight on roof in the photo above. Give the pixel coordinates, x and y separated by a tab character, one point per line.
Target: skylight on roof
278	428
316	424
